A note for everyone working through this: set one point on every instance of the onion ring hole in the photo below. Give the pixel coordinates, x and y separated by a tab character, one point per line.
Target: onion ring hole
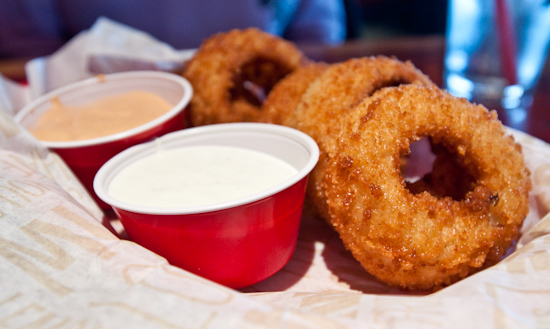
441	175
255	79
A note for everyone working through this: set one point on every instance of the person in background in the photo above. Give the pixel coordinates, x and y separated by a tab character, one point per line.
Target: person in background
31	28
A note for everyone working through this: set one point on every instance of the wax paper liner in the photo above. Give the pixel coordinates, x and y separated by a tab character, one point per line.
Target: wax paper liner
64	265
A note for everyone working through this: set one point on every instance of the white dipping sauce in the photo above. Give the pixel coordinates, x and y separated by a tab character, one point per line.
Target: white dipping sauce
197	176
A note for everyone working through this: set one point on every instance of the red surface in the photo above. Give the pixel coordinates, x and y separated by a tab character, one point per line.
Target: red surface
236	247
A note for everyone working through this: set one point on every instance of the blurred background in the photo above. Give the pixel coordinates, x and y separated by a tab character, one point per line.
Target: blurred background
35	28
32	28
376	19
325	30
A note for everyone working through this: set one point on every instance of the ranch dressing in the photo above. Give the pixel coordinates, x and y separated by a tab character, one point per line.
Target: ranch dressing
197	176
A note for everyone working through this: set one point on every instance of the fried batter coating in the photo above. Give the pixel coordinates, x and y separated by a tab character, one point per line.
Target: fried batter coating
232	73
364	114
281	103
413	239
335	93
344	85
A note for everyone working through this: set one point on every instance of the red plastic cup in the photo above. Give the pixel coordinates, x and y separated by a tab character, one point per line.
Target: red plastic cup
235	243
85	157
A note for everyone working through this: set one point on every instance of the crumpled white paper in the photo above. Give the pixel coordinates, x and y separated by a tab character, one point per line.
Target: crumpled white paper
107	47
63	266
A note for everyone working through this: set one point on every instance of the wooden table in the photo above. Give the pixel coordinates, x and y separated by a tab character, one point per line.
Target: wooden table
426	53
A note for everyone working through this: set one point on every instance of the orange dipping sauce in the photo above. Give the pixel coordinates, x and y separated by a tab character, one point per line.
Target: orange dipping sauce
106	116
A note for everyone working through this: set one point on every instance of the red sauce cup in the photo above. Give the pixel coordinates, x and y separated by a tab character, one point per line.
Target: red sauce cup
85	157
235	243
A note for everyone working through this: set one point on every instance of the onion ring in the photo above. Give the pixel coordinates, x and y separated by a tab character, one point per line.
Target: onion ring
281	103
419	240
326	103
344	85
231	74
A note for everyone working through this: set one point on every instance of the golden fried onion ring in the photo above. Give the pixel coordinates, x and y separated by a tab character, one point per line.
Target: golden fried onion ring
231	74
281	103
329	99
418	240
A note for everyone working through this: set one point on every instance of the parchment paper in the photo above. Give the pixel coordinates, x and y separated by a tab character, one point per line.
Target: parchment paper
63	265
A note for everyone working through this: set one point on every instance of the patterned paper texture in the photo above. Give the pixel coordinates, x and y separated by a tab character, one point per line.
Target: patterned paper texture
61	268
63	265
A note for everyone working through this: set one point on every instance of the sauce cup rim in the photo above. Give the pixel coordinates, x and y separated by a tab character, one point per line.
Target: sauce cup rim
119	161
175	110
